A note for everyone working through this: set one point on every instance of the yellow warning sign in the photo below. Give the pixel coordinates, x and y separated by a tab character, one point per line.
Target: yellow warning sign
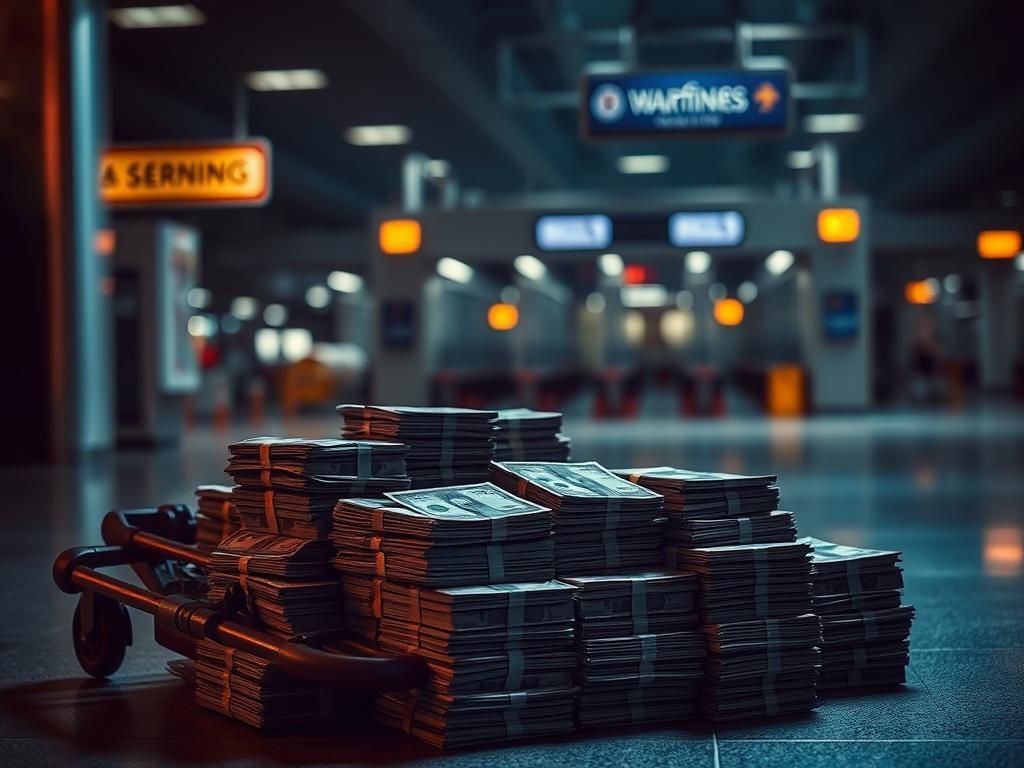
228	174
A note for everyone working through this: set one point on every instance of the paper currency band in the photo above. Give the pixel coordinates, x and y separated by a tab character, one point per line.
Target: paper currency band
521	487
513	723
761	581
611	519
860	658
853	577
377	520
746	530
495	563
515	615
611	549
381	565
648	655
514	677
773	659
243	573
870	625
414	606
635	700
448	425
268	510
364	461
409	712
375	598
225	694
771	701
733	500
854	678
636	477
638	606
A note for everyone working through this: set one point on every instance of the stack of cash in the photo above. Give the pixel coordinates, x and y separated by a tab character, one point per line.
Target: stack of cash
447	446
217	518
762	634
713	509
451	722
288	583
260	693
472	534
640	658
602	522
521	434
289	485
865	628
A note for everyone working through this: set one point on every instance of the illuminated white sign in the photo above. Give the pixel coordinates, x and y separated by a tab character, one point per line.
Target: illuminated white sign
722	228
574	232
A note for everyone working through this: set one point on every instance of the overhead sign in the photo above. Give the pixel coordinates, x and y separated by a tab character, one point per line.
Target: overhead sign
685	103
186	175
574	232
693	229
840	318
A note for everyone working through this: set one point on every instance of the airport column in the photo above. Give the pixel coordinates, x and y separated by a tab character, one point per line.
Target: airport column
57	291
1000	326
839	338
400	272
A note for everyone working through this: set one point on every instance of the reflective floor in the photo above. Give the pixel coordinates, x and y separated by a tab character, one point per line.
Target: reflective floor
947	489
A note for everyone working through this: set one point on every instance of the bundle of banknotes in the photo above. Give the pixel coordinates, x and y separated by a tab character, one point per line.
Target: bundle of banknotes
713	509
259	693
447	446
640	656
447	721
865	628
217	518
763	637
288	583
522	434
444	537
289	485
602	522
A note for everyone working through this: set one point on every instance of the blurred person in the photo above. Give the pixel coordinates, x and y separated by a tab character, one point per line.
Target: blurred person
925	361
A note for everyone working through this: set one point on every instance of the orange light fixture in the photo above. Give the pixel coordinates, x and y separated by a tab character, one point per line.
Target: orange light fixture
920	292
998	244
400	236
838	225
729	311
503	317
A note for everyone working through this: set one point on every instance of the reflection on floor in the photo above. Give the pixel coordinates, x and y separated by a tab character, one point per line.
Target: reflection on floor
946	489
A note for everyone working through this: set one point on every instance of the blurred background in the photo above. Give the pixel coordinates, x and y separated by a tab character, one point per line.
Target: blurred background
436	214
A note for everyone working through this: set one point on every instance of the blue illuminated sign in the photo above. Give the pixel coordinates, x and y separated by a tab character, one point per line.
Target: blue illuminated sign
582	232
681	103
693	229
840	318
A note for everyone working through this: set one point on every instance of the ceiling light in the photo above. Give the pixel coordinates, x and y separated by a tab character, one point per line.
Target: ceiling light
611	264
202	326
747	291
778	262
268	344
684	300
378	135
344	282
717	291
834	123
244	307
698	262
953	282
296	343
437	169
800	159
530	267
157	16
1019	261
453	269
275	315
286	80
642	164
645	295
318	296
199	298
503	317
728	312
595	303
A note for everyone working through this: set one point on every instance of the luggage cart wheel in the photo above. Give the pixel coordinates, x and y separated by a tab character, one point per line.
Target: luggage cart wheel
102	633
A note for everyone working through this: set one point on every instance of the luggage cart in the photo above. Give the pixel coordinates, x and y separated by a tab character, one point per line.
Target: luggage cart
158	544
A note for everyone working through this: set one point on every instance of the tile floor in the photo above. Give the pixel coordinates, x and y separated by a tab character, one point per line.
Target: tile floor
947	489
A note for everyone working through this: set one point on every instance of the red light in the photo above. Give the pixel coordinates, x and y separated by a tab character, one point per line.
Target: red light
635	274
